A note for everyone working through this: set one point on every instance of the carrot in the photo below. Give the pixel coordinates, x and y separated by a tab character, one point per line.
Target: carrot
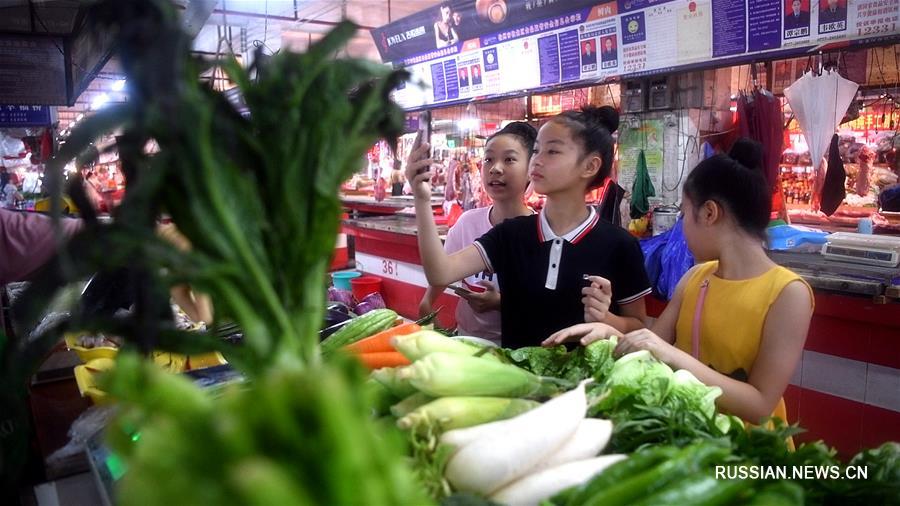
381	341
380	359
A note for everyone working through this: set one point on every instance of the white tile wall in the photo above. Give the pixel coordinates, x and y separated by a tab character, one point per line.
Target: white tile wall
832	375
883	387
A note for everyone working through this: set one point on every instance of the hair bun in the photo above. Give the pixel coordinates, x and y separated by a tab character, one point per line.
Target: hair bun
748	153
606	116
522	129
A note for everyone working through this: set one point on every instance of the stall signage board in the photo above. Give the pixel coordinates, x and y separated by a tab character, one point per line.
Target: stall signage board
18	116
34	70
539	45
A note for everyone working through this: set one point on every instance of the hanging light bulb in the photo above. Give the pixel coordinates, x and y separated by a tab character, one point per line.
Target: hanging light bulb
99	101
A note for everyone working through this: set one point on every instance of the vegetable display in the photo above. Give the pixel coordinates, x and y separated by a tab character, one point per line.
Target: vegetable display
257	197
360	328
437	419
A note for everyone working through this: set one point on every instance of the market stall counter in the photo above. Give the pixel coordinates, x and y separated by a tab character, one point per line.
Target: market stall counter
386	247
362	205
846	389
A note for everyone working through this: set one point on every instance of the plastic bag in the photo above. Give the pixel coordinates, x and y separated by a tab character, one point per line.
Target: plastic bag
666	259
652	249
677	259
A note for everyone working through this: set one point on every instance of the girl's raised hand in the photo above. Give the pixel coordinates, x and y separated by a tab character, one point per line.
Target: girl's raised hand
418	169
584	333
597	299
645	340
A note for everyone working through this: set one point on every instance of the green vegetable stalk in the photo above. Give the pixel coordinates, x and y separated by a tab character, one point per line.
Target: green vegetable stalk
257	197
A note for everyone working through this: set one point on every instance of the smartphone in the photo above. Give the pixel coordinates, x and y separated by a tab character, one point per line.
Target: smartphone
418	141
460	290
424	135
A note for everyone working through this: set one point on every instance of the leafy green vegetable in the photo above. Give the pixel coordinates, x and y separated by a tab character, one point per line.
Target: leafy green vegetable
257	197
636	378
779	493
429	461
592	361
642	426
301	436
689	394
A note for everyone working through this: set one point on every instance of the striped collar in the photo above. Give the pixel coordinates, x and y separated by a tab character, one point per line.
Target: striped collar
545	233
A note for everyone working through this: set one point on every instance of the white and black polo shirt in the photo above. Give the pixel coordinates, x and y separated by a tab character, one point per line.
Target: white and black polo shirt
542	274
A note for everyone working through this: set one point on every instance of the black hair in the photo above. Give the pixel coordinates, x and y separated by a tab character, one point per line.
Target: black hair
593	128
731	184
748	153
4	178
525	133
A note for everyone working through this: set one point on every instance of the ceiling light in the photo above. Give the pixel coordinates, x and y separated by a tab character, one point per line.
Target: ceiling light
118	85
79	117
99	101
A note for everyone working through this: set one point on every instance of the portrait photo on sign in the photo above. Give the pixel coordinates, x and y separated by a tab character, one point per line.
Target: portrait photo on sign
609	50
463	77
796	18
476	74
832	15
588	52
446	32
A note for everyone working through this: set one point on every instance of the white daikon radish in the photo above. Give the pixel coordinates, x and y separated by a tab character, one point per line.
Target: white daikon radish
589	439
534	488
461	437
507	452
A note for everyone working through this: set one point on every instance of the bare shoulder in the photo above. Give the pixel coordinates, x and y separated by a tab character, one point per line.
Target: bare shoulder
796	294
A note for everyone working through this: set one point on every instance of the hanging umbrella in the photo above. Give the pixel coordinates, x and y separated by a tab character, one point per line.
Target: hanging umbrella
642	189
819	103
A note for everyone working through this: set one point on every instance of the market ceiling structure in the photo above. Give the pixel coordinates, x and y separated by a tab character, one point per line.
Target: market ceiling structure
219	26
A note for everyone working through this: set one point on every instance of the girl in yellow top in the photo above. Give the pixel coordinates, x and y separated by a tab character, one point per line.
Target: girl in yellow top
747	334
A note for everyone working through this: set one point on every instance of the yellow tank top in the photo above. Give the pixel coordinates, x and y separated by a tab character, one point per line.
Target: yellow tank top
733	318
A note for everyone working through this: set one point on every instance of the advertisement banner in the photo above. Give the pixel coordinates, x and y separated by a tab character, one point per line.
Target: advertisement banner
451	23
515	46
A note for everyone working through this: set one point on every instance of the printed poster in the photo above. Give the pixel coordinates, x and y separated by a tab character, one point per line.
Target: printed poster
764	26
729	17
601	33
877	17
649	137
662	21
832	16
796	19
695	38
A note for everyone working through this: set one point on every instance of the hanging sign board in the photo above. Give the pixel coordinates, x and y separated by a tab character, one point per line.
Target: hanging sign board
466	50
19	116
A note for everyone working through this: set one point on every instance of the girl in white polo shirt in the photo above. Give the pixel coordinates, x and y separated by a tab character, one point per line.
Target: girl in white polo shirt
504	175
548	263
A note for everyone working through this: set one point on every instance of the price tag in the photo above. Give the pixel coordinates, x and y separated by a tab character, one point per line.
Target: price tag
390	268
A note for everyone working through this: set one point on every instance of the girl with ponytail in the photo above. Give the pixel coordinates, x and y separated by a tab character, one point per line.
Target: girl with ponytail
737	320
562	266
504	174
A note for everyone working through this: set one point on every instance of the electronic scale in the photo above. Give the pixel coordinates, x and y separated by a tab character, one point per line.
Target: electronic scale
880	250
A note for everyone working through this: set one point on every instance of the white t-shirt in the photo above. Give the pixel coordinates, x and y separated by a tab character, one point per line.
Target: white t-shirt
471	225
8	193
